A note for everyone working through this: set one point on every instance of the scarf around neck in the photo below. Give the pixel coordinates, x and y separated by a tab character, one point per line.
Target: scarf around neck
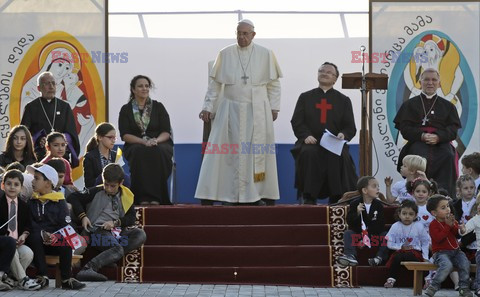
142	119
53	196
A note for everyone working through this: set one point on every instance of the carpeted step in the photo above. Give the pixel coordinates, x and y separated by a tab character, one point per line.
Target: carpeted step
236	256
294	276
237	235
234	215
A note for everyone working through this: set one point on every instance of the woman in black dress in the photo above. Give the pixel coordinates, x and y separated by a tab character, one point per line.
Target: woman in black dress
144	126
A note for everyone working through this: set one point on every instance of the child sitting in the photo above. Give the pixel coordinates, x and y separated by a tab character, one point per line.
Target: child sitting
368	209
103	211
474	225
59	166
49	213
407	238
445	248
56	147
471	166
18	227
465	210
421	189
411	165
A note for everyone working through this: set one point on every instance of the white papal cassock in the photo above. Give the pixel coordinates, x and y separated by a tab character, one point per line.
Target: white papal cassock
239	164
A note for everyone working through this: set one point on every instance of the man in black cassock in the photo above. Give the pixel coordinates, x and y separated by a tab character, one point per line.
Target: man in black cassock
429	123
47	114
320	173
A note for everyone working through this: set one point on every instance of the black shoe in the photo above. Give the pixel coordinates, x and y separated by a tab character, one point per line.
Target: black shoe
347	260
269	202
229	204
206	202
90	275
258	203
375	261
72	284
42	281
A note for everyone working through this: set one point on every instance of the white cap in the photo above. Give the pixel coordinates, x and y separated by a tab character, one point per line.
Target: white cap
50	173
246	21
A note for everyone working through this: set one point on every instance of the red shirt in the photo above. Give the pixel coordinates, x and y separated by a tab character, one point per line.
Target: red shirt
443	236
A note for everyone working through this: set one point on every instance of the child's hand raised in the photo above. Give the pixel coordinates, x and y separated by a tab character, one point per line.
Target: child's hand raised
360	208
421	175
462	228
388	181
450	219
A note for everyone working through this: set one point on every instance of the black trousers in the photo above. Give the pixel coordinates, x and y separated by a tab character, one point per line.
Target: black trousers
8	246
64	251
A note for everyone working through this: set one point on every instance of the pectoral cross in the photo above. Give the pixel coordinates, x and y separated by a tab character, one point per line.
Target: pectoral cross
424	121
324	106
245	77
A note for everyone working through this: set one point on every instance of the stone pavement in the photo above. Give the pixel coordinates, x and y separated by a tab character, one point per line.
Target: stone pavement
110	289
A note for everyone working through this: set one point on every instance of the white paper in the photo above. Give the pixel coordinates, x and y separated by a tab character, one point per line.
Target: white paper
332	142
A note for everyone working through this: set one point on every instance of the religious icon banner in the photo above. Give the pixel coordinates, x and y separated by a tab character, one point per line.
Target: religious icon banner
66	38
407	38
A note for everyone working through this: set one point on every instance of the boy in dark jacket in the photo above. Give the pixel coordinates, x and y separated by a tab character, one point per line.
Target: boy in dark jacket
370	209
108	214
49	213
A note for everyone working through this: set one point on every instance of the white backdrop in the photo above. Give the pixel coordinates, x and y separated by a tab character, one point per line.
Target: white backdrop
178	68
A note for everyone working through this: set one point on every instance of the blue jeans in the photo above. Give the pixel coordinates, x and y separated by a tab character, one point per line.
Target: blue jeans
446	261
477	276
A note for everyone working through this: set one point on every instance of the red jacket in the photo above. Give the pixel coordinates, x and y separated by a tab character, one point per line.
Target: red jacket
443	236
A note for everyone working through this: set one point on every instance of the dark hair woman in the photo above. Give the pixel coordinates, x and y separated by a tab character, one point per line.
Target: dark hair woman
144	126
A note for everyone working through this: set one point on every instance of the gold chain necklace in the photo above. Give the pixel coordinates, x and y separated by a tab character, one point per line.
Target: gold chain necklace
244	69
425	119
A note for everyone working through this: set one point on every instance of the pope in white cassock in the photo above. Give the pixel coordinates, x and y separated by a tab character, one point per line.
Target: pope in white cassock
239	162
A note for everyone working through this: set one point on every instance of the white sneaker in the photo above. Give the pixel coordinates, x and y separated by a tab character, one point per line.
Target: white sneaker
29	284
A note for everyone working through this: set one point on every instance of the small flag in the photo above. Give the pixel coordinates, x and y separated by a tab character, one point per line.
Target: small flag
71	237
116	232
118	157
365	238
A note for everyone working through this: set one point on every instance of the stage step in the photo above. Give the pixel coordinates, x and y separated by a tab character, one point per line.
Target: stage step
279	245
235	235
237	256
294	276
235	215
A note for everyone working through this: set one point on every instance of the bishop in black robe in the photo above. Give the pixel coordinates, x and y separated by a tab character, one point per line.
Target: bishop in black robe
320	173
436	115
38	118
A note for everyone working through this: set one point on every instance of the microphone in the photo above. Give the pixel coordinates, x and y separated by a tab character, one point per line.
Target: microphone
363	48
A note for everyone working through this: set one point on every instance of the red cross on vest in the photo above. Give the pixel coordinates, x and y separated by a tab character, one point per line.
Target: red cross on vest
324	107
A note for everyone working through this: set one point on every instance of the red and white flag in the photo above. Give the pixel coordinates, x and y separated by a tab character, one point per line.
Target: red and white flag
71	237
365	238
116	232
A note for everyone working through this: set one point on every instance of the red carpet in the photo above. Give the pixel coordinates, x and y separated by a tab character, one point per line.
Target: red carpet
280	245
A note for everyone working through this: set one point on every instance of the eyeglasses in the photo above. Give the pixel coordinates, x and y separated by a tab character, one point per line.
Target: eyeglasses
243	33
113	138
47	83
